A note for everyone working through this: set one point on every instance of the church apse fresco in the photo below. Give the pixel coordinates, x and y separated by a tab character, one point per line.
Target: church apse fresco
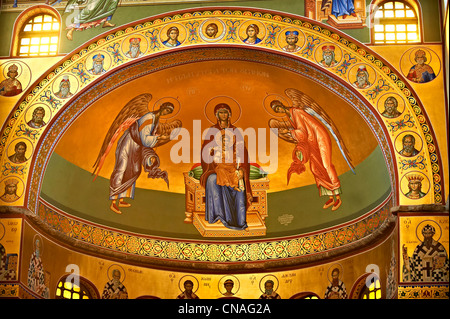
323	123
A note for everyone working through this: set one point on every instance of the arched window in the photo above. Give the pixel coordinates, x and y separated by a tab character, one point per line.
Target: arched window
305	295
36	33
395	22
373	291
367	286
67	289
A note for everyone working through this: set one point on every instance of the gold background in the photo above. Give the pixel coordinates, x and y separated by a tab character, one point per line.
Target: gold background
411	235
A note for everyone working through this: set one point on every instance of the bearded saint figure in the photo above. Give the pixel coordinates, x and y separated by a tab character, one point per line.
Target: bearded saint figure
115	289
64	89
328	56
269	292
37	119
362	78
429	261
336	288
135	48
97	66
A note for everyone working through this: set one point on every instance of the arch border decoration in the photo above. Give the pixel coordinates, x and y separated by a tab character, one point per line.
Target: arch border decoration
414	118
22	19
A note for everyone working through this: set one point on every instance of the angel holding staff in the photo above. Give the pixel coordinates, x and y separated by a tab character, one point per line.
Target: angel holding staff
141	132
306	128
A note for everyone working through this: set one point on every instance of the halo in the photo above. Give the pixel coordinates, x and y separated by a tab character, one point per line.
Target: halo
182	33
243	29
263	280
37	236
399	145
20	187
12	144
425	182
211	104
413	53
301	38
428	221
188	277
330	270
273	96
30	110
219	36
318	54
107	62
75	85
126	43
236	286
113	267
354	70
23	72
382	100
174	101
8	64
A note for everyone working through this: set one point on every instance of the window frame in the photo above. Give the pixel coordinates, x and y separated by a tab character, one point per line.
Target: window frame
85	286
23	19
414	5
360	288
366	291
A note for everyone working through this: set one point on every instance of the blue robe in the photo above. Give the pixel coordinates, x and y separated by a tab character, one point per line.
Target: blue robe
134	151
341	7
225	203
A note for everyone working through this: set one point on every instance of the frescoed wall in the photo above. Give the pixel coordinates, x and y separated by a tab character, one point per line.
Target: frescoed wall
194	142
106	279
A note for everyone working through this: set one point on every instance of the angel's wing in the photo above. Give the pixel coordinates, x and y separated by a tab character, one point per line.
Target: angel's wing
303	101
131	112
171	129
283	129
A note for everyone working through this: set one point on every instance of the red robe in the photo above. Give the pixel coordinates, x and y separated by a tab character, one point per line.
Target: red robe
315	144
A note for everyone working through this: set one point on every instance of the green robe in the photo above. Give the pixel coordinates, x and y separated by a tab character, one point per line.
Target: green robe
93	11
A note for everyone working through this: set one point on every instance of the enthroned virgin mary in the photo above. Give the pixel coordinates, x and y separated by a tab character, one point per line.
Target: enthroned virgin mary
226	168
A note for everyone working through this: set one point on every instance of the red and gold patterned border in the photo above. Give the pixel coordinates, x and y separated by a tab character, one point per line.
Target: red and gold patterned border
223	252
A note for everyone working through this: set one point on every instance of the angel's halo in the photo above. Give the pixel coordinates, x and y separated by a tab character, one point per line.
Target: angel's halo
174	101
232	103
271	97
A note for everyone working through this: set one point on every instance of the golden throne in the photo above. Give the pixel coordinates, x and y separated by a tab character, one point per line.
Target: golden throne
256	213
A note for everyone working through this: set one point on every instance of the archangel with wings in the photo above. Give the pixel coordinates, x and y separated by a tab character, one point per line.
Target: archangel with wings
140	132
307	127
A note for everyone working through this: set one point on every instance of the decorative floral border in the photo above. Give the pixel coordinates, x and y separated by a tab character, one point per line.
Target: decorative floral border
423	292
204	251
